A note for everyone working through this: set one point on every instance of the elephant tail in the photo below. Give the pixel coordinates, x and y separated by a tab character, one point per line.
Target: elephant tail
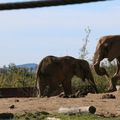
91	79
37	77
38	72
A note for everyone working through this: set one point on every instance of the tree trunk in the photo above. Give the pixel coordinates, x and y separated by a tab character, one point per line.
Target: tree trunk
74	110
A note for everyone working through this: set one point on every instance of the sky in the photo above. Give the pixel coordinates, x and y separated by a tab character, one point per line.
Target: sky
27	36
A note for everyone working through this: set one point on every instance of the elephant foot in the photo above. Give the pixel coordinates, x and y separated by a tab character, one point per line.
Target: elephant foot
66	96
95	90
61	94
112	85
112	89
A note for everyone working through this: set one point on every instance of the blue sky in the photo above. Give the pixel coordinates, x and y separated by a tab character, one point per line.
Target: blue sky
26	36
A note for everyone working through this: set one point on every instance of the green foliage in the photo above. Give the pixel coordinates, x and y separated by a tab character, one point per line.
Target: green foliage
13	76
78	84
85	116
82	116
32	116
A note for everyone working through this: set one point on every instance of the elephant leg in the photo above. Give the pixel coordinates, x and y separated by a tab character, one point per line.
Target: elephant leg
67	87
41	88
112	86
52	88
92	82
115	77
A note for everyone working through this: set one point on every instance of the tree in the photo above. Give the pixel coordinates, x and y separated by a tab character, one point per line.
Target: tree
83	51
13	76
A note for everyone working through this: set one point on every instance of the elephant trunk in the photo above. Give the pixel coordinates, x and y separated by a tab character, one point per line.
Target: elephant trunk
100	70
92	82
99	56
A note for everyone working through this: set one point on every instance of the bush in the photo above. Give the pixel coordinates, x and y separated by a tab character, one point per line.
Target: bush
13	76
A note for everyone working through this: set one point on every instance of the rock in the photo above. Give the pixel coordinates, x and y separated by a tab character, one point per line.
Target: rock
12	107
108	96
16	100
52	118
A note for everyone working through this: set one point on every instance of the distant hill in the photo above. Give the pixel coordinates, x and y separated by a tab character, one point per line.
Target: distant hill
28	65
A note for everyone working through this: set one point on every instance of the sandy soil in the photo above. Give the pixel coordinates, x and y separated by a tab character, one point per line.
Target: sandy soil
105	107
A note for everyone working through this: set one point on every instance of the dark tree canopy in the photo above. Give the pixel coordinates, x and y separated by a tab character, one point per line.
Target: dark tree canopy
41	3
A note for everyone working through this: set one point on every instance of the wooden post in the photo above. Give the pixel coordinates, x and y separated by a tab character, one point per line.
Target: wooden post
73	110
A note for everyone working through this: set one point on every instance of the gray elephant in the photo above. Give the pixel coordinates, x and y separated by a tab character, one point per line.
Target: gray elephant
108	47
53	71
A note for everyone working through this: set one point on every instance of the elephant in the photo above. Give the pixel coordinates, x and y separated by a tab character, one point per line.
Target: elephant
108	47
54	71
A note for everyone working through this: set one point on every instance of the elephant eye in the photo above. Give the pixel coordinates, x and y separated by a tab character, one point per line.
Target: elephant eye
106	44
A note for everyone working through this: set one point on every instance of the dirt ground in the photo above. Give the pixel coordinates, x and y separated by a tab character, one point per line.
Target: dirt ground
105	107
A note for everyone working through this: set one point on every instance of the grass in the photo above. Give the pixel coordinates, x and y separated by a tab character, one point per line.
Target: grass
44	115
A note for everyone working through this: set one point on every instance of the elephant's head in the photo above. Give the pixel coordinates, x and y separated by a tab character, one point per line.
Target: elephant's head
83	71
107	47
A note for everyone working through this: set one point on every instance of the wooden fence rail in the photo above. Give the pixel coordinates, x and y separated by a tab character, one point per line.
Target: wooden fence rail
18	92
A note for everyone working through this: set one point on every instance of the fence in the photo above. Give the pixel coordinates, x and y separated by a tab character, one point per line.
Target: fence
17	92
41	3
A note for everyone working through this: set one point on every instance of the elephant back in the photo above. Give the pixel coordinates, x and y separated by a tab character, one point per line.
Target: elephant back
48	66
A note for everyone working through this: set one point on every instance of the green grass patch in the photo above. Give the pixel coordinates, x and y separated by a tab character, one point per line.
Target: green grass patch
44	115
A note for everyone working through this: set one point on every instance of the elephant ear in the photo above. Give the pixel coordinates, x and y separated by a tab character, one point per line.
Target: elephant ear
114	52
